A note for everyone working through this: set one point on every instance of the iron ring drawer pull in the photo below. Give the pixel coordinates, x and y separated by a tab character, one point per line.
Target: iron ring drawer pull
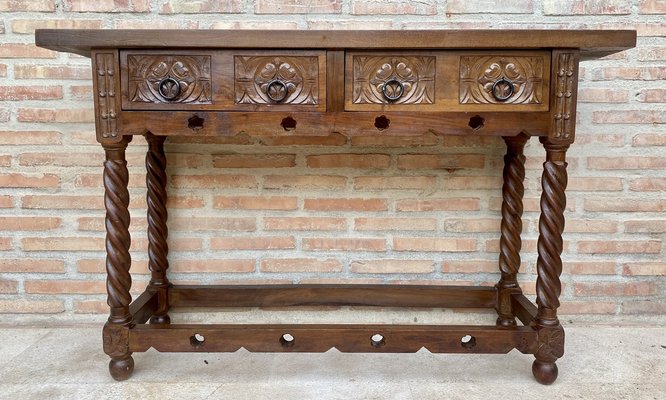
393	89
502	89
277	90
169	88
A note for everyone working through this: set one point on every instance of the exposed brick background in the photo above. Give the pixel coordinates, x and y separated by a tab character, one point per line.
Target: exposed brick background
332	209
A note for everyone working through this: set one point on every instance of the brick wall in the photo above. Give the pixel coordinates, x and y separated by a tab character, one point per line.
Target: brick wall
260	209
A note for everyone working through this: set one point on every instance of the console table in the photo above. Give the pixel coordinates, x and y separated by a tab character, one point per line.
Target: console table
159	83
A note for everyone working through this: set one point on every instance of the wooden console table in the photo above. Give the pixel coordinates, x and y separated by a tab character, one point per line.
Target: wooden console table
514	84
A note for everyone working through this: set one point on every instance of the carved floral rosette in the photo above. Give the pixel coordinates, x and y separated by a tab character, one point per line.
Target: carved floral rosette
255	77
192	73
478	74
415	73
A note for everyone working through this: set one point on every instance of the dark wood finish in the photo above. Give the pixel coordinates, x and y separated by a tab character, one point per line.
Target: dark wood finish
511	226
514	84
593	44
333	295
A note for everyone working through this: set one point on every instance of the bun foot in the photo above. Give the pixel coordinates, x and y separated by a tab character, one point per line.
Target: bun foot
544	372
506	322
121	369
160	319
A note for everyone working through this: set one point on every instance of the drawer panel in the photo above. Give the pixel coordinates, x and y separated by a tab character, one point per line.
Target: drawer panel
447	81
224	80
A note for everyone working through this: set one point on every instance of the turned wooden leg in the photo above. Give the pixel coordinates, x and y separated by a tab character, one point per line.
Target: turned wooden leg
119	280
158	249
511	227
549	264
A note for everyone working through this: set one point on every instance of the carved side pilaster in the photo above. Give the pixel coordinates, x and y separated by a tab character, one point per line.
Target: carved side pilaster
106	84
564	82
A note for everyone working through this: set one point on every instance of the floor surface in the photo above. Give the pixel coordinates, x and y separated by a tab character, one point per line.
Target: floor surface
68	363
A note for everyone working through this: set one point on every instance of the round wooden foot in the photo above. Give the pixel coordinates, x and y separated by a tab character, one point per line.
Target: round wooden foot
506	322
121	369
160	319
544	372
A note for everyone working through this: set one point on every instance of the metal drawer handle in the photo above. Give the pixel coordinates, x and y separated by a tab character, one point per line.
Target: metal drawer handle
277	90
393	89
169	88
502	89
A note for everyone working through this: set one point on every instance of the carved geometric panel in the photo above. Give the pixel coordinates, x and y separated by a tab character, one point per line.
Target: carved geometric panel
393	80
501	80
276	80
169	79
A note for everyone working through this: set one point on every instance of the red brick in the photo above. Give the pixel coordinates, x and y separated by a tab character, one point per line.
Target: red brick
62	202
29	137
628	73
103	6
365	161
24	306
29	25
645	226
256	202
65	287
644	268
471	183
607	139
629	117
149	23
9	93
625	205
96	180
197	224
483	7
27	5
4	114
5	160
346	244
5	243
394	7
587	307
8	287
61	159
392	266
433	244
619	246
648	139
611	289
6	201
202	7
429	139
648	184
472	225
62	244
440	161
298	7
394	182
594	184
452	204
300	265
91	307
528	246
628	162
60	72
652	7
253	243
583	7
214	266
651	95
332	139
26	181
652	53
29	223
81	92
345	204
277	25
395	224
589	226
304	182
20	50
589	267
26	265
644	307
98	266
3	70
53	115
240	138
226	181
175	245
254	160
471	266
602	95
304	224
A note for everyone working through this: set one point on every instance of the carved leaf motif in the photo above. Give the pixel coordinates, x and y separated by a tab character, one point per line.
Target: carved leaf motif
115	340
298	75
478	75
415	73
551	343
146	72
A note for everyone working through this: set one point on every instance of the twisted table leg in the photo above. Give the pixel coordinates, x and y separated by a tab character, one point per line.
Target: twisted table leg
549	263
511	227
158	249
119	280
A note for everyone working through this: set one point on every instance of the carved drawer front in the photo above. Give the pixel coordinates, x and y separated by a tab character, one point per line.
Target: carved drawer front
390	81
166	80
280	80
505	80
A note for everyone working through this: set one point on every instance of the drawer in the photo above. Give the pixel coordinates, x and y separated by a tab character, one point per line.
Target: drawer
447	81
224	80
